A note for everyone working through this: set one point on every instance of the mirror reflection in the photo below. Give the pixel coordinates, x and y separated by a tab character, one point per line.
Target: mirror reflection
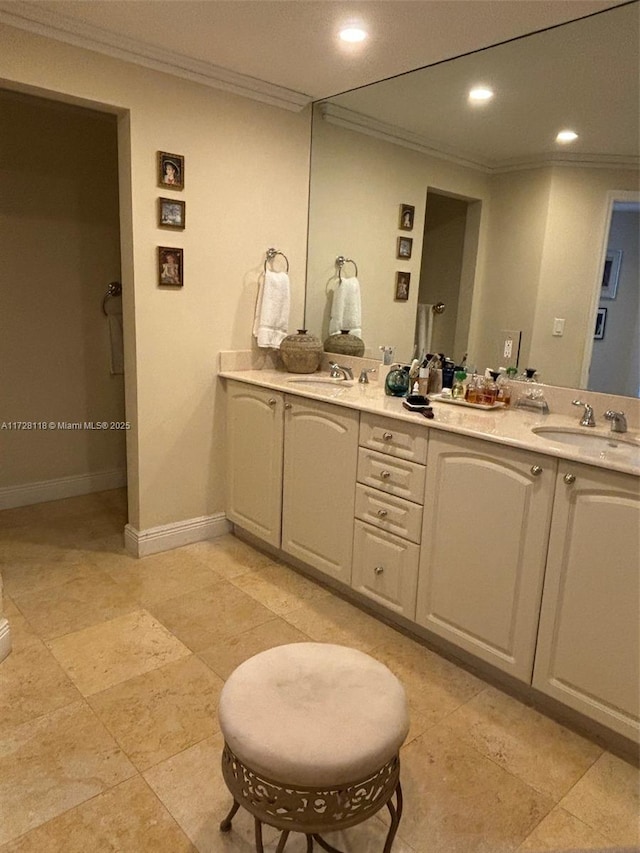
529	243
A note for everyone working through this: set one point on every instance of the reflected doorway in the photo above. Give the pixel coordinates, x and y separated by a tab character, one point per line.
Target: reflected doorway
615	356
447	274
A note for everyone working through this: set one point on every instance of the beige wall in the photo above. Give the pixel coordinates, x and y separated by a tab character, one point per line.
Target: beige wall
59	212
575	235
358	185
246	189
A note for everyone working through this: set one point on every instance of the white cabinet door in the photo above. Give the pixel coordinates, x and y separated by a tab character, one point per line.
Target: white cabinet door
320	459
254	459
588	644
484	544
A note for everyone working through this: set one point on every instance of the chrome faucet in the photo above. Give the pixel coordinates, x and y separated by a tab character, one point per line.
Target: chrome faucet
618	420
587	418
364	374
339	371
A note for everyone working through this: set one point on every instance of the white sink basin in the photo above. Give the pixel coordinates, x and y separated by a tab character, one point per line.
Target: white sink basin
613	445
321	382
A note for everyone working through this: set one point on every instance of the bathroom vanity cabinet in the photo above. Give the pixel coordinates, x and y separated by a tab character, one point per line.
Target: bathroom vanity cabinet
484	547
588	654
525	560
291	473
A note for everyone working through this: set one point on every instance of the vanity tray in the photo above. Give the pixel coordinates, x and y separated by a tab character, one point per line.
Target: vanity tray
440	399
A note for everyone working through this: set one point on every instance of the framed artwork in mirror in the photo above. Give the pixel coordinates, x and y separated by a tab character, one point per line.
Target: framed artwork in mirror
171	213
601	319
407	212
170	266
611	274
403	279
405	245
170	170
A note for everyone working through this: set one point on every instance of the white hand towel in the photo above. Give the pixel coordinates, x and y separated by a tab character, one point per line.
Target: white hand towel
113	308
345	309
272	310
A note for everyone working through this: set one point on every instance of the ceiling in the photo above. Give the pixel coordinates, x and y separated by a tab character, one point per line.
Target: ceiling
584	76
286	51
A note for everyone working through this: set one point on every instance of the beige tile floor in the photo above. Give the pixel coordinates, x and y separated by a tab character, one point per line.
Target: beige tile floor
109	738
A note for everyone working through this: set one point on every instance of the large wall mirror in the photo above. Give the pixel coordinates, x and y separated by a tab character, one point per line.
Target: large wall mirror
531	244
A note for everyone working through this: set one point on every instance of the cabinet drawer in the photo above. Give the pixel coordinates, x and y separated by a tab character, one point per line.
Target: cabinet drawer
385	568
397	438
395	476
395	515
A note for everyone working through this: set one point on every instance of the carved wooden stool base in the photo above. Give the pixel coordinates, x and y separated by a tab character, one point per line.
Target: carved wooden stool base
308	810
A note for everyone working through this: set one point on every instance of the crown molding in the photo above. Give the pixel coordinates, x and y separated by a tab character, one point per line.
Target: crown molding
30	17
361	123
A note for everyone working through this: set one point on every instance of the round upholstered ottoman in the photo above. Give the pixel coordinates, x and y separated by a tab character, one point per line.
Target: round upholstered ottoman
312	733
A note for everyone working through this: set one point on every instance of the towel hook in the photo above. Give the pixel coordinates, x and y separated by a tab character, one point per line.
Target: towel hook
114	289
271	253
341	261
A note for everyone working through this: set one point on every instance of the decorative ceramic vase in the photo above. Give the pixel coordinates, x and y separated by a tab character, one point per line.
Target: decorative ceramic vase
397	381
345	343
301	353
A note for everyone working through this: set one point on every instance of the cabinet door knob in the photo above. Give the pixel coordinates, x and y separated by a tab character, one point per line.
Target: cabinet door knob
288	406
569	479
379	570
385	474
382	513
271	401
387	436
536	470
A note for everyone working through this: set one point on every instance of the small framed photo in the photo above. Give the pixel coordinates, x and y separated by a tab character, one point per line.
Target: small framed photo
403	279
405	245
170	170
611	274
170	266
171	213
407	212
601	319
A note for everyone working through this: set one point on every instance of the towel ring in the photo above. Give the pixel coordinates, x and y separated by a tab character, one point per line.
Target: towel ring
114	289
271	253
341	261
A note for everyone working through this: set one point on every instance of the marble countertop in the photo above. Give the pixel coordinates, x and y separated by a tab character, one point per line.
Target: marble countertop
513	427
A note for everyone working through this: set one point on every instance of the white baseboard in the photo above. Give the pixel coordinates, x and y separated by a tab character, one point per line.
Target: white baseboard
142	543
5	638
63	487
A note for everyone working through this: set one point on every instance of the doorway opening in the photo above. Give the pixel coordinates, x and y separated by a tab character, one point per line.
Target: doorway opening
447	274
62	344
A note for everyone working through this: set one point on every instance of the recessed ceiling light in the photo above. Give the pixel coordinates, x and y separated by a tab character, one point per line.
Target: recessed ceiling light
353	34
480	95
566	136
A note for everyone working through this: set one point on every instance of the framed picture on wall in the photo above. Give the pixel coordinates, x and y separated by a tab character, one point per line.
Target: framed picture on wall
611	274
171	213
403	279
407	212
405	245
601	319
170	266
170	170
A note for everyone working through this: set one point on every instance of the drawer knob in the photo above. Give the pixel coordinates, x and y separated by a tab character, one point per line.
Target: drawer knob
382	513
569	479
288	406
536	470
379	570
387	436
385	474
271	401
